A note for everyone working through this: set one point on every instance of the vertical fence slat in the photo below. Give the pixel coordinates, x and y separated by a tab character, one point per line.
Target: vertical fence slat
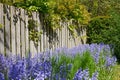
60	32
22	33
18	31
45	37
1	30
38	24
68	36
41	39
84	35
26	34
13	45
63	35
33	49
58	43
7	28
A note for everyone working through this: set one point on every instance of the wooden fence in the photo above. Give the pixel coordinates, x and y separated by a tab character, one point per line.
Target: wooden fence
14	33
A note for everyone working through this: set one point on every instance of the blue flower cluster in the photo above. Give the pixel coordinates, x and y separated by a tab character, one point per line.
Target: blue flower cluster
40	66
84	75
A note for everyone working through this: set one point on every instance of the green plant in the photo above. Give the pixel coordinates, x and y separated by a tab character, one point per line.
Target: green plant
1	26
84	61
58	62
56	12
106	29
34	34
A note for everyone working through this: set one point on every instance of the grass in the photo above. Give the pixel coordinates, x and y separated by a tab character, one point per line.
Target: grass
117	72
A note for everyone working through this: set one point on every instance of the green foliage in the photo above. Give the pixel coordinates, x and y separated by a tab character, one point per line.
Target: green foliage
34	34
97	7
70	9
57	62
106	29
56	12
97	27
105	23
84	61
1	26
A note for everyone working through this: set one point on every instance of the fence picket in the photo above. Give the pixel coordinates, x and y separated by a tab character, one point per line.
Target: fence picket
13	33
27	45
38	25
33	48
22	20
41	40
18	31
63	36
1	30
7	28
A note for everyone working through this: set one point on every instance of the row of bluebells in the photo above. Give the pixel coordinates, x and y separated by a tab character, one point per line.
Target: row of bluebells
83	62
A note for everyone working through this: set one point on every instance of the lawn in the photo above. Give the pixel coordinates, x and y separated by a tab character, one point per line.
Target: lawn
117	72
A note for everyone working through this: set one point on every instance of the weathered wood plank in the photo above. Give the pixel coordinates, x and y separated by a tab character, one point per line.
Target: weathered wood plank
13	23
39	25
33	47
27	46
7	29
56	40
60	34
18	31
68	36
41	40
84	35
22	20
63	36
58	43
1	30
45	37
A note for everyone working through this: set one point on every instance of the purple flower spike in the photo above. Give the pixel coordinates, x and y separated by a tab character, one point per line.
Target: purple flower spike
94	76
2	76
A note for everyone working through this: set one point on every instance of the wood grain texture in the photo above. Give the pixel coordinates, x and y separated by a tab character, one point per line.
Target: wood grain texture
13	31
1	30
7	29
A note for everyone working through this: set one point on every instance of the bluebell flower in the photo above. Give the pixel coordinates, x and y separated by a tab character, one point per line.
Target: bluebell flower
17	70
110	61
96	57
2	76
82	75
3	63
95	76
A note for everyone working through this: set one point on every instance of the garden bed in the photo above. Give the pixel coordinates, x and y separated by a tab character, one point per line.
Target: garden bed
83	62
